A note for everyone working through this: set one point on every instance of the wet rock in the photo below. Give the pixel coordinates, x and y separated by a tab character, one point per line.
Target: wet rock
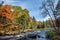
39	36
32	36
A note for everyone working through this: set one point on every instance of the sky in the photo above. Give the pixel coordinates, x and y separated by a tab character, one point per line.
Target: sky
31	5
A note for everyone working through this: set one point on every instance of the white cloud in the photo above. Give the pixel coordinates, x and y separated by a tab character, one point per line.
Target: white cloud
46	18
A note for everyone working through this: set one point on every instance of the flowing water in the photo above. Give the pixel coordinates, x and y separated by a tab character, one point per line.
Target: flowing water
41	36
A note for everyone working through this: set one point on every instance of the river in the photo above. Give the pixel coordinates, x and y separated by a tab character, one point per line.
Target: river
40	36
40	33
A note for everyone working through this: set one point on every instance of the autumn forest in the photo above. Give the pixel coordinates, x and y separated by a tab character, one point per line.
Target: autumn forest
35	22
14	19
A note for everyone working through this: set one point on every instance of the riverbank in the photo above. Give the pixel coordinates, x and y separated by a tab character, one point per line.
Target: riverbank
22	31
28	30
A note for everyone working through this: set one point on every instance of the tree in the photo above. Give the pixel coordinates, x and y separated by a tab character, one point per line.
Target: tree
17	11
48	9
5	15
1	3
21	16
39	24
58	15
5	18
43	25
34	22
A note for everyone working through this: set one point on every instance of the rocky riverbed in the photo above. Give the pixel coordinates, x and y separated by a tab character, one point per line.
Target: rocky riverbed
34	35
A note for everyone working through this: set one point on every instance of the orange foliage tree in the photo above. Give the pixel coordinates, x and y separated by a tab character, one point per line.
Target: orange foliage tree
5	12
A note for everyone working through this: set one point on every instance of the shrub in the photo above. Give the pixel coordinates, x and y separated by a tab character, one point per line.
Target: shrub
51	35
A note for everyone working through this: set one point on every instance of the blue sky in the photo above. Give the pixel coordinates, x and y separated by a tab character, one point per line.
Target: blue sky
31	5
